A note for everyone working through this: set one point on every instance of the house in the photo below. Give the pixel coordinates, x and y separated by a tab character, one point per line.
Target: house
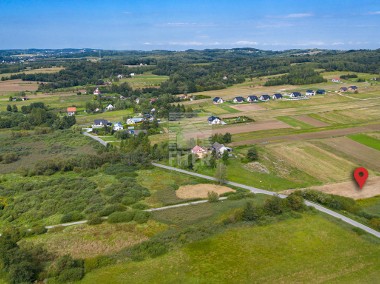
132	74
353	88
25	99
220	148
343	89
310	93
98	123
335	80
120	76
135	120
199	151
264	98
295	95
214	120
110	107
217	100
277	96
137	100
97	92
252	99
118	126
71	111
238	100
320	92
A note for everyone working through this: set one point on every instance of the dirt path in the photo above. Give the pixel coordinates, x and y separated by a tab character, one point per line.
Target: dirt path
312	135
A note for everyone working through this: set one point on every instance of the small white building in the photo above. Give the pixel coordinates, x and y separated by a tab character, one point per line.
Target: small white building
110	107
135	120
118	126
97	92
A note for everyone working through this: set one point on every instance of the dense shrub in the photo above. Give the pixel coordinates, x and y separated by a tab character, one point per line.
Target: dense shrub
71	217
94	220
212	196
108	210
141	216
120	217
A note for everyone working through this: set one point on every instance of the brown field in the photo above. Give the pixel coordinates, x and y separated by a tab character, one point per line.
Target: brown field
249	107
17	86
312	135
200	190
253	126
349	188
312	121
89	241
364	155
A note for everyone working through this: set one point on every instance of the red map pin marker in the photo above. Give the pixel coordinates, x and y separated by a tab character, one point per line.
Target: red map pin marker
360	175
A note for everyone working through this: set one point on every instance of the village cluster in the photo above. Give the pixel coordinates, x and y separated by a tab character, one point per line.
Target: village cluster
201	151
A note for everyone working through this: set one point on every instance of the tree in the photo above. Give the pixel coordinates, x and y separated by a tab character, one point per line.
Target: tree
227	138
212	196
250	213
252	154
225	157
14	108
9	108
295	202
221	173
274	205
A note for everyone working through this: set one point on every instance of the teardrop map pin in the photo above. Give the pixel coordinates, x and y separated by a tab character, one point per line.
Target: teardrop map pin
360	175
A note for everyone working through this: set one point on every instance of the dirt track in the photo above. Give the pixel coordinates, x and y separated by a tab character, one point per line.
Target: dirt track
312	135
200	190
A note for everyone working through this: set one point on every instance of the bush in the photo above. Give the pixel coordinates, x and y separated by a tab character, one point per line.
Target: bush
274	206
108	210
212	196
296	202
252	154
375	223
251	213
120	217
96	262
72	217
141	217
71	274
38	230
94	220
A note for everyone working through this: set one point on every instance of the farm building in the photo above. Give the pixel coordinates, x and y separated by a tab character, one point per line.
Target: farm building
295	95
220	148
252	99
214	120
135	120
320	92
217	100
353	88
264	98
335	80
238	100
118	126
343	89
71	111
310	93
277	96
199	151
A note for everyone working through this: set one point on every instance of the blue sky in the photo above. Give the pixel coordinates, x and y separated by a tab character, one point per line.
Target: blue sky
180	25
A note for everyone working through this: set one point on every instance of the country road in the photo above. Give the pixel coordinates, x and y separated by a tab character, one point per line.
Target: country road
101	141
262	191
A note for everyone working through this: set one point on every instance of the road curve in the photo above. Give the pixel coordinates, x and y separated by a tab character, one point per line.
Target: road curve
262	191
101	141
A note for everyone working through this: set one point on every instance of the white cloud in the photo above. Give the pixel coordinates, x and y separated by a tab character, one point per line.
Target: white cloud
246	42
274	25
186	24
147	43
374	13
338	43
298	15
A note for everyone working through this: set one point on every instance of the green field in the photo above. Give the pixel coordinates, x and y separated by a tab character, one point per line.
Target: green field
145	80
366	140
294	122
301	249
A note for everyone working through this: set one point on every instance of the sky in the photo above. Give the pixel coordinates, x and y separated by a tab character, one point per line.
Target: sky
191	24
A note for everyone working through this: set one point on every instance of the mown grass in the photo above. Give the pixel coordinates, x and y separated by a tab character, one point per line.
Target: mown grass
294	122
295	250
366	140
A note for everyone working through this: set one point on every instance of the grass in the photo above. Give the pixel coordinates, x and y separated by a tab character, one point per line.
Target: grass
145	80
366	140
294	122
371	205
300	250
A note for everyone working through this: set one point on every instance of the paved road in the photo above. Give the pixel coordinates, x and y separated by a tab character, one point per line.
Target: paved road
101	141
257	190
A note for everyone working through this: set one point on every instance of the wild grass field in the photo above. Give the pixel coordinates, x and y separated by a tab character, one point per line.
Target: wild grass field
301	249
145	80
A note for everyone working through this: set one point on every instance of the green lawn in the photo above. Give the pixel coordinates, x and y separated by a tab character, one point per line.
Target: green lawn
366	140
371	205
295	250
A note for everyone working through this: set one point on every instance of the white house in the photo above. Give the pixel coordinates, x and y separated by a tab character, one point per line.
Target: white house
264	98
71	111
214	120
137	100
217	100
276	96
238	100
135	120
97	92
335	80
132	74
220	148
120	76
118	126
252	99
110	107
99	123
295	95
310	93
